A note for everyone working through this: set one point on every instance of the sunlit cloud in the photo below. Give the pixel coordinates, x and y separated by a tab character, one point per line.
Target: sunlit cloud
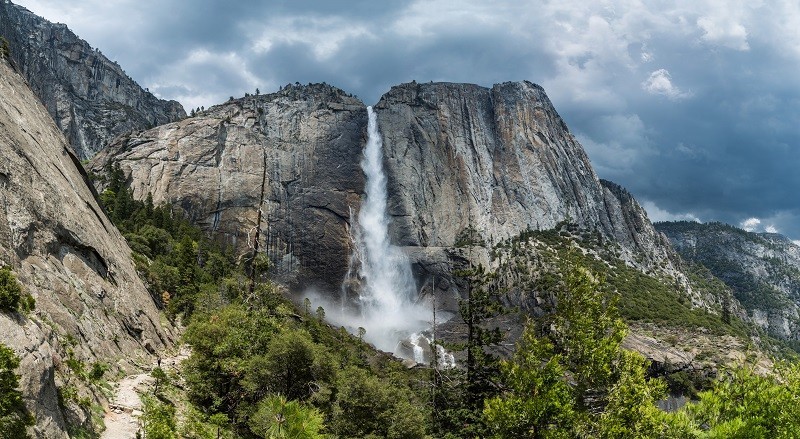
660	83
657	214
750	224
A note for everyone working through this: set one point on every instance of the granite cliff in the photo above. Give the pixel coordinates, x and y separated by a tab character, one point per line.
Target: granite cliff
498	160
762	269
294	155
91	306
91	98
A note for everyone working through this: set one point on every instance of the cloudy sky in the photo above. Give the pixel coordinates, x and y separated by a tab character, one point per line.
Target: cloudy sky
693	105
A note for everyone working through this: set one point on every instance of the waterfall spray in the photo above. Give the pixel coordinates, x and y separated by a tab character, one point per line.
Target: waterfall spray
380	273
386	299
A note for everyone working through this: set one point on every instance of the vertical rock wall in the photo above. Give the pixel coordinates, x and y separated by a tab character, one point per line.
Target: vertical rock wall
303	142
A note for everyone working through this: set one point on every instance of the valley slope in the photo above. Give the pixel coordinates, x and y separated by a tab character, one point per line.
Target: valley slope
91	306
762	269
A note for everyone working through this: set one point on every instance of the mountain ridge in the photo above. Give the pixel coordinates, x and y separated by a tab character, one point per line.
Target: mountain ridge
91	99
287	137
763	269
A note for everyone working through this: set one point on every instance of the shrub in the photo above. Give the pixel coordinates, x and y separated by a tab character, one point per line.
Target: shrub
10	291
13	415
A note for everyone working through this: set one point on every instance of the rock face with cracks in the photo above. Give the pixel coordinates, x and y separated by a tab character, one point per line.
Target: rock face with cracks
91	98
294	155
69	257
499	160
456	156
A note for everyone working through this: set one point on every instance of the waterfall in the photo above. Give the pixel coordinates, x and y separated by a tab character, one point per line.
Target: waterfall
379	283
387	290
388	282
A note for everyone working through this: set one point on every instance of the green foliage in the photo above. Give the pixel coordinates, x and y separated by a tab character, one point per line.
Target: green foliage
98	370
160	378
243	356
14	417
223	343
174	257
538	401
195	425
260	367
277	418
570	377
250	347
630	409
744	404
532	260
158	419
367	405
10	291
481	305
292	365
469	237
458	395
586	329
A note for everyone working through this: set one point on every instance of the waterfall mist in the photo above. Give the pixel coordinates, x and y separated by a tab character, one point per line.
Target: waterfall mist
379	293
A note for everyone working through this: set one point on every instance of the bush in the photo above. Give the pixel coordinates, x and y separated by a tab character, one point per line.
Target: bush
10	291
5	49
158	419
277	418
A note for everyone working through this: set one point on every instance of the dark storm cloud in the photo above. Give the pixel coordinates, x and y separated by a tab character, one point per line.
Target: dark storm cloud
694	106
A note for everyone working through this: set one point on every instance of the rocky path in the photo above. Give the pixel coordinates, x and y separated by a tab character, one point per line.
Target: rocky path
125	408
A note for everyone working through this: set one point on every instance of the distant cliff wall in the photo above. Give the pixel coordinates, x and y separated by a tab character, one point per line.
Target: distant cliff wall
90	97
762	269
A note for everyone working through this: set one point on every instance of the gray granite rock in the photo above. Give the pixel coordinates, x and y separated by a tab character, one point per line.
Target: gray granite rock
67	255
90	97
456	155
304	143
762	269
500	160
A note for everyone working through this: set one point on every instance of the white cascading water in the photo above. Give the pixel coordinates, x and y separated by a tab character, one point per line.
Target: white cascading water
386	300
387	308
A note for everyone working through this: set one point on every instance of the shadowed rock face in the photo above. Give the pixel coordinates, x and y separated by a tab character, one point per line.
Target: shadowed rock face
762	269
90	97
303	143
68	255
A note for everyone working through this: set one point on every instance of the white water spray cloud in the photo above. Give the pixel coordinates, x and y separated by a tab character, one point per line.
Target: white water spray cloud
386	306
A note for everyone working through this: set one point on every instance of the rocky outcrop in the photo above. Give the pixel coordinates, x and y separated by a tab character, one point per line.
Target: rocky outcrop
90	97
762	269
500	160
68	256
298	150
